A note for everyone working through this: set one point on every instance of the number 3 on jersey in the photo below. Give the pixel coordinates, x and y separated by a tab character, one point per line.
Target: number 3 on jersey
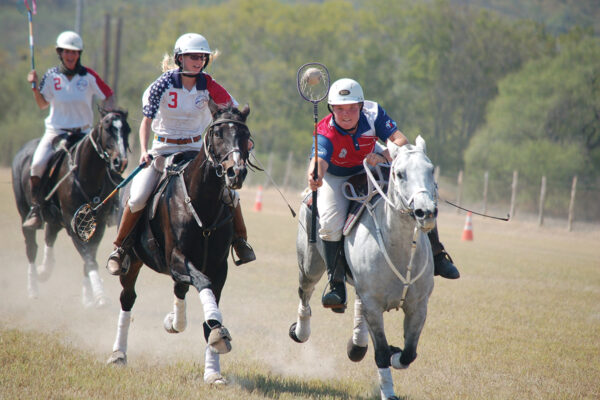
172	100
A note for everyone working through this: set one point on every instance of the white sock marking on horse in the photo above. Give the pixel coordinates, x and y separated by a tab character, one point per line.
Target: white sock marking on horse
32	286
360	335
122	331
45	270
386	385
209	304
97	287
179	317
211	363
87	295
303	323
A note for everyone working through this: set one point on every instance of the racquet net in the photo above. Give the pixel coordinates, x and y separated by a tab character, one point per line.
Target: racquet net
84	222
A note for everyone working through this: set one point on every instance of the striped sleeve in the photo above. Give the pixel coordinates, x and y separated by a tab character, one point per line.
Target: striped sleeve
104	88
152	96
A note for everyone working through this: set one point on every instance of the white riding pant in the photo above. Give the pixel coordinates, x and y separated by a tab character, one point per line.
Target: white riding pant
145	182
44	151
333	207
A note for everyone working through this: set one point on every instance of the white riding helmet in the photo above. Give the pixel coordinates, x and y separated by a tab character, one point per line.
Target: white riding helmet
345	91
69	40
191	43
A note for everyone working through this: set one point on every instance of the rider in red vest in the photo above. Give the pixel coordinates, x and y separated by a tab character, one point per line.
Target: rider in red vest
344	139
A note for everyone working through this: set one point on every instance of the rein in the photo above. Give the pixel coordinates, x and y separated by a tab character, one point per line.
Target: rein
404	208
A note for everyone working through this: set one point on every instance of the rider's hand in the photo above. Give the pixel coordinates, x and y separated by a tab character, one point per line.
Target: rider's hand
32	77
145	158
312	184
374	159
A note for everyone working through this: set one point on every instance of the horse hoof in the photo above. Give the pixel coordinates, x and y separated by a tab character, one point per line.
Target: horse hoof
216	379
117	358
219	340
356	353
168	323
293	334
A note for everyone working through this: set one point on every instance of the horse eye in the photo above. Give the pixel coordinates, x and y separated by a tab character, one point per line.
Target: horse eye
399	175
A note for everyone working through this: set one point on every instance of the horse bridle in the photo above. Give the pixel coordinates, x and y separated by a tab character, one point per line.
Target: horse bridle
222	164
102	153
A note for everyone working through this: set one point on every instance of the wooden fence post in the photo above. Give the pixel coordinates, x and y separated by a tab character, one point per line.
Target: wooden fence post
460	189
486	178
106	61
117	58
513	197
436	174
542	200
269	169
572	204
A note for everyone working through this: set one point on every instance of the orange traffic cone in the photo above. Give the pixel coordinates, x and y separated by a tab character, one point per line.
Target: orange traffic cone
468	231
258	200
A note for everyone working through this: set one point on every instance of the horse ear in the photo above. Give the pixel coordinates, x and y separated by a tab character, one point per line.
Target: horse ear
102	111
393	148
420	142
213	107
245	111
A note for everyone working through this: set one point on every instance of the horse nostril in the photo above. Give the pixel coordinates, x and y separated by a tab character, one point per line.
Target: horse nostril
435	212
419	213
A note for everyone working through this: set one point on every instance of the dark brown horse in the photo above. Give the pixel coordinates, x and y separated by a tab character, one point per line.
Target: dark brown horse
187	234
84	172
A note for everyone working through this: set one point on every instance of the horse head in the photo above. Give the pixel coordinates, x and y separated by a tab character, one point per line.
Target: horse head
412	187
226	144
113	139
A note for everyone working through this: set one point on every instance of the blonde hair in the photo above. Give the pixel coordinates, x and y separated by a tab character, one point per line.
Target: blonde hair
168	61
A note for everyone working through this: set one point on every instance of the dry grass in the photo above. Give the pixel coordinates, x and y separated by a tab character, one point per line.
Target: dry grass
523	322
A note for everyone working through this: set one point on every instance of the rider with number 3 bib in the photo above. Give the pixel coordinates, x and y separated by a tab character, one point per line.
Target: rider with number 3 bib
68	89
345	138
176	110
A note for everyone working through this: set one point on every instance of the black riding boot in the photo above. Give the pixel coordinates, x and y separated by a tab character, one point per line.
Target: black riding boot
442	263
242	248
34	218
335	298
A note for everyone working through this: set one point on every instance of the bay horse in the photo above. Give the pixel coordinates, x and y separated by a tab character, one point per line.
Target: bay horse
187	231
390	262
85	169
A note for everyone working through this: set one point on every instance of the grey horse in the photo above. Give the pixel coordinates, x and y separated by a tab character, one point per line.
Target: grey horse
390	261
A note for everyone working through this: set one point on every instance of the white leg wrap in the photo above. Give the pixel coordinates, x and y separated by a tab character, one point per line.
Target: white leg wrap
32	286
209	303
303	323
96	283
360	334
179	317
211	363
45	270
122	331
87	295
386	385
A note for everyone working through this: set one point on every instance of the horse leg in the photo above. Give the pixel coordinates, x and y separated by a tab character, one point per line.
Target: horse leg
414	320
45	269
127	298
31	248
311	267
95	283
374	318
176	320
359	342
217	336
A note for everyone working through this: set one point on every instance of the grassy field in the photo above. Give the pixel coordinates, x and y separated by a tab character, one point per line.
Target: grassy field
523	322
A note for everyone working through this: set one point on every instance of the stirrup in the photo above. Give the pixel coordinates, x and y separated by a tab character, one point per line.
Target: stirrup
244	251
122	261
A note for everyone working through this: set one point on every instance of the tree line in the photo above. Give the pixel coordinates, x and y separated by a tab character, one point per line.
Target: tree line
486	91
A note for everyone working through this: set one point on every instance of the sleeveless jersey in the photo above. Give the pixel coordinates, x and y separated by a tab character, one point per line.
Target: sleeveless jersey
179	113
71	100
345	152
